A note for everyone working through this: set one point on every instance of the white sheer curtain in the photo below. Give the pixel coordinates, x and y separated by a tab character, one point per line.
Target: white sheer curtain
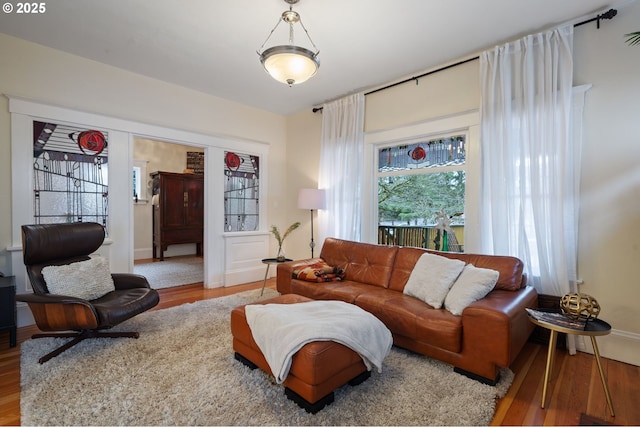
531	157
340	174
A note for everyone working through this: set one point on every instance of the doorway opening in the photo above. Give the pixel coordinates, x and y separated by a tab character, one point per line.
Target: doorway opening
168	259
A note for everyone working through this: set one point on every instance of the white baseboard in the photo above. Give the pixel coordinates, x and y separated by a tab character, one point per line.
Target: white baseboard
144	253
173	250
619	345
238	277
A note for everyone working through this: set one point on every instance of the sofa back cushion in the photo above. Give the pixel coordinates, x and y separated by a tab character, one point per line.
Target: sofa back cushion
510	268
362	262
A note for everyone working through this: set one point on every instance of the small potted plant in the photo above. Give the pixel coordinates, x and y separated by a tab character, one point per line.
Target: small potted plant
280	238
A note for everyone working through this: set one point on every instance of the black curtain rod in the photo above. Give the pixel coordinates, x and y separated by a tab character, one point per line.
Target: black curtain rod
607	15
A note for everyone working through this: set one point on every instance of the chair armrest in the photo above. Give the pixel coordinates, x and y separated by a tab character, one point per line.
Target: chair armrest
129	281
50	299
60	312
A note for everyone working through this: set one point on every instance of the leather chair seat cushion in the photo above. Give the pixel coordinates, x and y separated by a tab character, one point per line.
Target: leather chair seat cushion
410	317
122	304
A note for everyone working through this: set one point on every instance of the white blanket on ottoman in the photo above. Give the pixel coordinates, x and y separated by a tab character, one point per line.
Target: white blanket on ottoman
280	330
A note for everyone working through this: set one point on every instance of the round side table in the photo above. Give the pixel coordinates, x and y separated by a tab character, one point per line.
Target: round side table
556	322
269	262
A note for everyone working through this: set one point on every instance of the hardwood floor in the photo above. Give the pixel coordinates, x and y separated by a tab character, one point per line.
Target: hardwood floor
575	388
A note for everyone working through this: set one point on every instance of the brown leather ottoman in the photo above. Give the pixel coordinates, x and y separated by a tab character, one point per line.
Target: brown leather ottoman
317	369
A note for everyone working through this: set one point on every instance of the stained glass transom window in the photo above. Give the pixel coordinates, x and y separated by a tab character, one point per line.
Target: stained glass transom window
70	174
421	155
241	192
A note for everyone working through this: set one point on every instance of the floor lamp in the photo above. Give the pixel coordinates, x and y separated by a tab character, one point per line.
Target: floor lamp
311	198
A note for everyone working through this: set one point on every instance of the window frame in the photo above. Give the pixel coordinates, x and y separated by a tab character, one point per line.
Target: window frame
467	124
140	186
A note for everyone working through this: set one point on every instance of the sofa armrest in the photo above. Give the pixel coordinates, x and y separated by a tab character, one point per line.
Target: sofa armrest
497	325
285	273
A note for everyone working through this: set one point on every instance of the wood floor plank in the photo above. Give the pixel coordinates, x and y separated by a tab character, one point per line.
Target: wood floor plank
596	401
527	404
572	389
624	381
520	365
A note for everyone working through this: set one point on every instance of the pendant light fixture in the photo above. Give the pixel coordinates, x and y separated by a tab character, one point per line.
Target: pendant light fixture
290	64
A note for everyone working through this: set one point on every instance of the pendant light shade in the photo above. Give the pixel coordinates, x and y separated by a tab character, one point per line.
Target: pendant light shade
290	64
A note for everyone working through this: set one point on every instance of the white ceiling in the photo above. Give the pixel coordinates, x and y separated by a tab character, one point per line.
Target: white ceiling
210	45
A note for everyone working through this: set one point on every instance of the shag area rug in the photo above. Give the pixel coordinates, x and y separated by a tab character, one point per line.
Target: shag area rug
181	371
172	272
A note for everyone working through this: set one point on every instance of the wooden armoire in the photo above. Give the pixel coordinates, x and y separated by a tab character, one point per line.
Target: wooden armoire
178	212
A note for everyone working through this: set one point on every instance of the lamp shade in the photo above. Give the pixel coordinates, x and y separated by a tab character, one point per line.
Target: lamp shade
311	198
290	64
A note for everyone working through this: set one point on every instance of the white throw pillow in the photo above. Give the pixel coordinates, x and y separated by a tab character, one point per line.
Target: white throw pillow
474	283
88	280
431	278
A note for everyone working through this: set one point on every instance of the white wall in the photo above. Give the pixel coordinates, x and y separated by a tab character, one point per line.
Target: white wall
609	236
442	94
303	157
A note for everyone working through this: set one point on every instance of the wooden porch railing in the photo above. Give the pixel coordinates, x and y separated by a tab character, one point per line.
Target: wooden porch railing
417	236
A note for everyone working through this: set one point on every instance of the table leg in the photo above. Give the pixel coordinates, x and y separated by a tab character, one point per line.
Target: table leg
264	283
549	368
602	377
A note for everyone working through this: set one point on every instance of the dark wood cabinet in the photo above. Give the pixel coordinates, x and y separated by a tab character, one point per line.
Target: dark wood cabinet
8	308
178	213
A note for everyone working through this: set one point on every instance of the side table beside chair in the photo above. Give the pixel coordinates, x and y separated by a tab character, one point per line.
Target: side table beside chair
269	262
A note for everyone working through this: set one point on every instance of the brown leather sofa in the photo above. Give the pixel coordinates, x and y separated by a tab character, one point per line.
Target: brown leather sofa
488	335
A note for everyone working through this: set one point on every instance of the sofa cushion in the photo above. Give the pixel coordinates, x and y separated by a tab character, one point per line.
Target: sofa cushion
344	290
431	278
362	262
318	271
412	318
439	328
472	284
510	268
403	266
396	310
88	279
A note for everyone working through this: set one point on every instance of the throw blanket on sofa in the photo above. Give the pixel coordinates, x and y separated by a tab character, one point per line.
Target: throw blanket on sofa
280	330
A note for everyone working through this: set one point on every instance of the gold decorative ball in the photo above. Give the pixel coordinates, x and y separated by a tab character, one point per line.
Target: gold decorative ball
580	306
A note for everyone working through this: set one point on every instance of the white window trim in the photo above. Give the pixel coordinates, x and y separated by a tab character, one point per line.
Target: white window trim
142	189
468	123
